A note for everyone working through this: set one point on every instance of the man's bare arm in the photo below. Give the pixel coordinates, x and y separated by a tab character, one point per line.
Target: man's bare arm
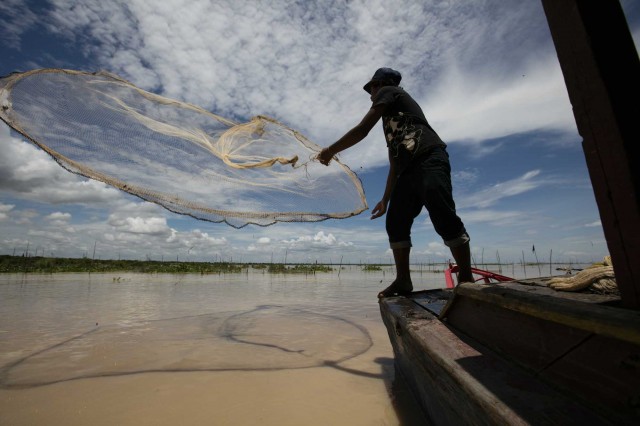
353	136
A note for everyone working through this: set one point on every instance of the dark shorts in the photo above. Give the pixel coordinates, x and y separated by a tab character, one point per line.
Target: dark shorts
425	184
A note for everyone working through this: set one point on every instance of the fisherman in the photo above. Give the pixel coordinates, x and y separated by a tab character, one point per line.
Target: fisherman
419	175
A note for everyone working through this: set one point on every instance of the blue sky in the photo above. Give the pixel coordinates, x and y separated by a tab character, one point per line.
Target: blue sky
485	72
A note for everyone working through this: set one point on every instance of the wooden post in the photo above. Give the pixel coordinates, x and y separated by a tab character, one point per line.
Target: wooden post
601	70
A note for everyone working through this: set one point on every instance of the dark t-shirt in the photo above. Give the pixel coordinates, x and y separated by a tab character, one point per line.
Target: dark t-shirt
407	132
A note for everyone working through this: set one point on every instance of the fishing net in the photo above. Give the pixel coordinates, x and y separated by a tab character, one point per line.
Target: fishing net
175	154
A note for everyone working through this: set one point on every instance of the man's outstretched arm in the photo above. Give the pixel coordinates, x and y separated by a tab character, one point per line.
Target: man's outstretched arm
353	136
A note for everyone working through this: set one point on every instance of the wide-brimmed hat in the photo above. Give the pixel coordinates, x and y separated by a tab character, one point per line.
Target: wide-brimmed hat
386	75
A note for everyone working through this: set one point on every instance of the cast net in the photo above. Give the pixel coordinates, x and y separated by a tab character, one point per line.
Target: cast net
175	154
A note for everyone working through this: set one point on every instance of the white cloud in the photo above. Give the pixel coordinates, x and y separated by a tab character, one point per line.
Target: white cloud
465	109
58	218
321	238
482	69
429	251
198	237
492	74
140	225
318	241
4	210
491	195
30	173
501	217
15	19
436	247
464	177
595	224
25	216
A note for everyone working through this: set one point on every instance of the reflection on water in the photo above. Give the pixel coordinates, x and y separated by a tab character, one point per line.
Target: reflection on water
266	338
63	334
316	340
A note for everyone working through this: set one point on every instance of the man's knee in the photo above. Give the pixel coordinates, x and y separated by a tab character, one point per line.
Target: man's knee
458	241
399	244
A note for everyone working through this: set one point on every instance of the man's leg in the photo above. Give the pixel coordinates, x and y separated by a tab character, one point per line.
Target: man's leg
401	257
437	195
462	255
402	283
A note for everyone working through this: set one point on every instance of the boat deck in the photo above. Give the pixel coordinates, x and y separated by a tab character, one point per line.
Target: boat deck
517	352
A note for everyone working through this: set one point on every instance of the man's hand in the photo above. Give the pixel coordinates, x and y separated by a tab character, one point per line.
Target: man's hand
379	210
325	156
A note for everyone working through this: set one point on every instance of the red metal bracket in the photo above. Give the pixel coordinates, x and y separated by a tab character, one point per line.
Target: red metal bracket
485	276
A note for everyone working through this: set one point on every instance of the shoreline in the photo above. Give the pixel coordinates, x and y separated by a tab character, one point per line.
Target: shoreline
49	265
35	264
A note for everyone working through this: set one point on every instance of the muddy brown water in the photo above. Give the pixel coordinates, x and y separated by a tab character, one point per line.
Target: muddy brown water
235	349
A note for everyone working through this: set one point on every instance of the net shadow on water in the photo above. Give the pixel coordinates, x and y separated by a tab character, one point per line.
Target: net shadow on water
266	338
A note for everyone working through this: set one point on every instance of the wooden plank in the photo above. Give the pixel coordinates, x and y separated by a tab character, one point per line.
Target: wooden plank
531	342
433	301
602	370
623	324
601	71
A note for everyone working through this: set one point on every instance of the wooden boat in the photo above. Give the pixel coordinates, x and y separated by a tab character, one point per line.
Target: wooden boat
518	352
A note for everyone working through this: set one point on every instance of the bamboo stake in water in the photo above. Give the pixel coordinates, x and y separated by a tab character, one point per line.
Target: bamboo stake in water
537	261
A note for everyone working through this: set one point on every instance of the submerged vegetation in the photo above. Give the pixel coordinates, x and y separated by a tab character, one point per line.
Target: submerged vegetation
46	265
14	264
297	269
371	268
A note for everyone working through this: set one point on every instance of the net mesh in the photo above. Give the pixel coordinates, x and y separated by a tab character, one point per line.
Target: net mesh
175	154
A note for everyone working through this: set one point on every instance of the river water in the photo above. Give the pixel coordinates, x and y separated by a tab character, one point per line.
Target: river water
228	349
